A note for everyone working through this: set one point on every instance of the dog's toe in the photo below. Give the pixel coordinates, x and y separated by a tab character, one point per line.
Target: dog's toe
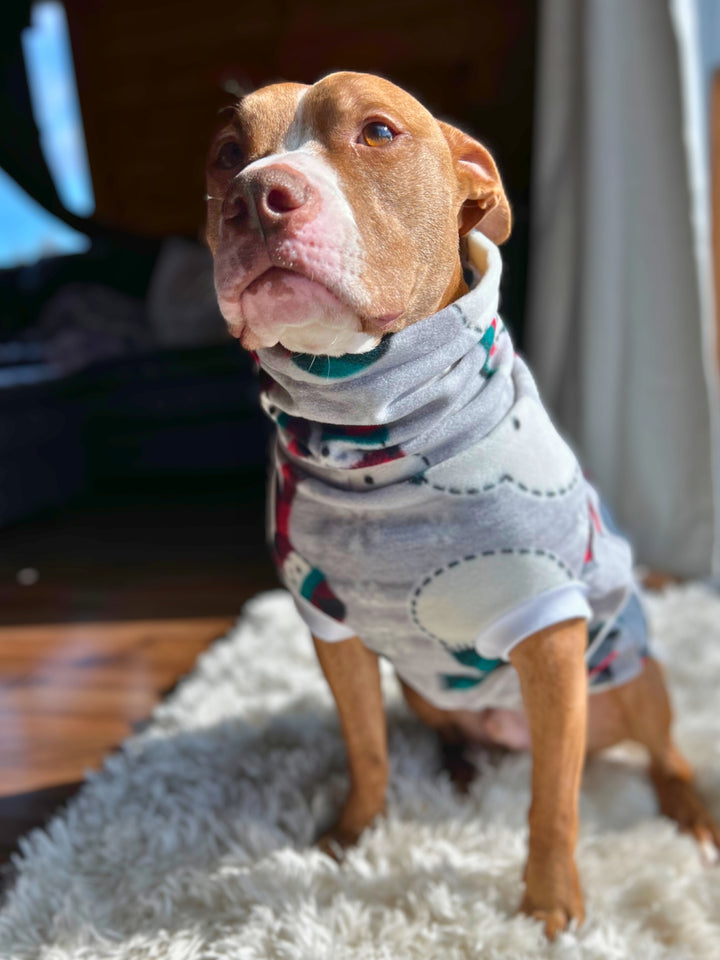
552	893
456	764
335	841
680	801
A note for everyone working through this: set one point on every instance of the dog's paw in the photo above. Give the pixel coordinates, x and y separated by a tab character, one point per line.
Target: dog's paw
455	762
357	815
335	841
680	801
554	921
552	893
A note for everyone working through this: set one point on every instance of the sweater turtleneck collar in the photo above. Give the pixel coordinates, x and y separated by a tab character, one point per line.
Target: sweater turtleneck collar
422	395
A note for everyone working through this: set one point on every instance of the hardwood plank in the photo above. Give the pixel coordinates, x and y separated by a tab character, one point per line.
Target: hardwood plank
70	693
65	697
70	641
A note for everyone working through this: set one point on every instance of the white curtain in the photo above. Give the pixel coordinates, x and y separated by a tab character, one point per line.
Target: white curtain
620	329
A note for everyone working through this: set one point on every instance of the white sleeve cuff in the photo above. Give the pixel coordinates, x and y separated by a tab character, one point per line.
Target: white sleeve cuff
562	603
553	606
321	624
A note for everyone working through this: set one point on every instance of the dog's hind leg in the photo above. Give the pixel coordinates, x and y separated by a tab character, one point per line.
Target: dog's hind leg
453	736
640	711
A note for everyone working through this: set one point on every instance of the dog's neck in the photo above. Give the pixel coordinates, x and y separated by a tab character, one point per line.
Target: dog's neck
457	287
419	396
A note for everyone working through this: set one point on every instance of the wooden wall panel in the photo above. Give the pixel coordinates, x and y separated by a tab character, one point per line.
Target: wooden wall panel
150	76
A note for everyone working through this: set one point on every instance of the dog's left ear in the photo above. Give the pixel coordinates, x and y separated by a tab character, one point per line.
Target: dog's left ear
485	206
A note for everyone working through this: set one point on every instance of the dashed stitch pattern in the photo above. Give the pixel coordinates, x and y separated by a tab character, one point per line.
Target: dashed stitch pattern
507	478
479	329
523	551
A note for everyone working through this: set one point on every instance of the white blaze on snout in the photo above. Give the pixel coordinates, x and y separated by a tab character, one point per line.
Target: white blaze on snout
314	305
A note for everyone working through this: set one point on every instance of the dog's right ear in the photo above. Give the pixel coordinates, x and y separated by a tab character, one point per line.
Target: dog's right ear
484	205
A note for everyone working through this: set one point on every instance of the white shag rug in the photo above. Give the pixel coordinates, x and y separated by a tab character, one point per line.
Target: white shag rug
194	842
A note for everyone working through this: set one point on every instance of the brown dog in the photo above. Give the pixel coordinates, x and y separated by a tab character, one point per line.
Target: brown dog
334	214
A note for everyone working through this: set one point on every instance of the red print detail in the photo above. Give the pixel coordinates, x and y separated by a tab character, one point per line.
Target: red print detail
374	458
604	664
596	527
361	430
285	487
265	380
297	433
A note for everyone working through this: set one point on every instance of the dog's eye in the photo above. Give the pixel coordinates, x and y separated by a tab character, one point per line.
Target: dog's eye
377	134
229	156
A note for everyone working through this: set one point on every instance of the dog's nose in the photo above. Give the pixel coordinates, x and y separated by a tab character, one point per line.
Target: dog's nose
272	194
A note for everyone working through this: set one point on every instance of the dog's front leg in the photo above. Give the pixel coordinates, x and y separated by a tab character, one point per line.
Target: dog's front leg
553	678
353	673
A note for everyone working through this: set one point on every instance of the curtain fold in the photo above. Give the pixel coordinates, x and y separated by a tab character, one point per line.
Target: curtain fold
620	324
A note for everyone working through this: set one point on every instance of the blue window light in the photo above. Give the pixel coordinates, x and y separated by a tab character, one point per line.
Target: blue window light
27	231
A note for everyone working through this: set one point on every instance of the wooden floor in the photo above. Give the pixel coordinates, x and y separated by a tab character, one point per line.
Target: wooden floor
104	605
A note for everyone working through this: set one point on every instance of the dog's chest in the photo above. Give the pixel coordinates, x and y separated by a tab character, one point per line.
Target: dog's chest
445	549
423	500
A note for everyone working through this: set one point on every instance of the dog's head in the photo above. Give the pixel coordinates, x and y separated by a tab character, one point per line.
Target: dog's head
334	212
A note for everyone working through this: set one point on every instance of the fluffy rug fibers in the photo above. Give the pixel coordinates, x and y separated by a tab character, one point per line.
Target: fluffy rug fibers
194	841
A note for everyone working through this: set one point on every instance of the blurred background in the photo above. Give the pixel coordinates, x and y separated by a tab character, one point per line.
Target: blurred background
131	445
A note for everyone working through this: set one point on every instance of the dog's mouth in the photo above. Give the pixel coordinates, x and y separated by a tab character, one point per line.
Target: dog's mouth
280	296
285	306
284	285
273	276
301	313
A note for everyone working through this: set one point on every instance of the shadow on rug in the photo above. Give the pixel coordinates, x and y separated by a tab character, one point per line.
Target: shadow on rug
194	840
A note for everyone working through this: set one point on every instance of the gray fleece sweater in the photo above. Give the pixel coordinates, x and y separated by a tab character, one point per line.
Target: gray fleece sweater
423	500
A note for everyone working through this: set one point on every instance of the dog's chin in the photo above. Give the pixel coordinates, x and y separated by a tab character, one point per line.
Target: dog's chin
298	313
314	339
